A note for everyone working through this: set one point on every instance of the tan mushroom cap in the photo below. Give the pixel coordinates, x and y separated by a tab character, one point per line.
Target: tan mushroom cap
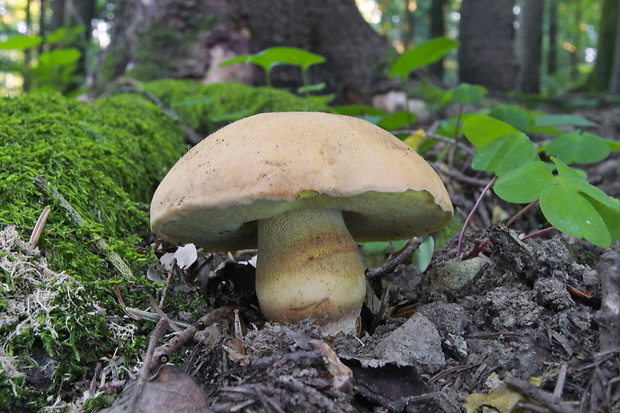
270	163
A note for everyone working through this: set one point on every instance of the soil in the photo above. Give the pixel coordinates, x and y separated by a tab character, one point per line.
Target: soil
525	321
510	325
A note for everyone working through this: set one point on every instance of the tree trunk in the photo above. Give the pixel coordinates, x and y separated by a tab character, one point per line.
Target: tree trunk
614	86
165	38
529	45
599	79
552	53
486	56
437	29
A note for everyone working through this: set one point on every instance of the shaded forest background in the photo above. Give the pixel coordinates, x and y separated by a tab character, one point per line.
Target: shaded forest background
531	46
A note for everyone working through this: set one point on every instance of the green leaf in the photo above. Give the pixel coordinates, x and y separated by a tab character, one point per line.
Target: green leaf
505	154
60	57
397	120
65	35
512	115
322	99
482	130
467	94
578	180
21	42
572	213
525	184
422	55
577	147
563	120
232	116
424	254
358	110
288	56
239	59
611	216
311	88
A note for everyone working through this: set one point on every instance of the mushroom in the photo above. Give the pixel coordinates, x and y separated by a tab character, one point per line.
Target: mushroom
301	187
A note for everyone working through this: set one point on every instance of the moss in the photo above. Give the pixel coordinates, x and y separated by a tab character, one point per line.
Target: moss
206	108
105	159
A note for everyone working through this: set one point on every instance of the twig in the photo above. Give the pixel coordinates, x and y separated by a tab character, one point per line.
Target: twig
158	333
395	261
164	352
559	384
50	190
38	228
540	396
459	176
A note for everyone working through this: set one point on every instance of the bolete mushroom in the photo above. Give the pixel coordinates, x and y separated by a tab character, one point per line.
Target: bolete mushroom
301	187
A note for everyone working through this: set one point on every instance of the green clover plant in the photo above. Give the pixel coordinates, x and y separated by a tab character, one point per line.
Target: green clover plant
274	56
567	200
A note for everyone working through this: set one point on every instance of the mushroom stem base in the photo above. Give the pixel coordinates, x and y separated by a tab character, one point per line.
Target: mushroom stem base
308	267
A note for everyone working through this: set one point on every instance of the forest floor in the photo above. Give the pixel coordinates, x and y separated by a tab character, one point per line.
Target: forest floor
518	325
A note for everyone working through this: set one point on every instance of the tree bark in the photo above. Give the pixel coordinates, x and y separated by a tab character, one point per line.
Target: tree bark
600	77
614	86
437	29
552	53
486	56
529	45
165	38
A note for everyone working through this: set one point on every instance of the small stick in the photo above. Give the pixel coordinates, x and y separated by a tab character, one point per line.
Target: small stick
395	261
116	260
38	228
547	400
559	385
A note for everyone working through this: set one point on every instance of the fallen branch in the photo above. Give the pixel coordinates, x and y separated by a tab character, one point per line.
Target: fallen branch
116	260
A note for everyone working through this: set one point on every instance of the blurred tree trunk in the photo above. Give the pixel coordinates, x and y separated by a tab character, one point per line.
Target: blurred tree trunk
437	29
486	56
600	77
529	45
170	39
614	86
552	52
408	31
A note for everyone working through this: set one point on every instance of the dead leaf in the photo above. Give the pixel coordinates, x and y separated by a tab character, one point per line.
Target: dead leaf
500	398
170	391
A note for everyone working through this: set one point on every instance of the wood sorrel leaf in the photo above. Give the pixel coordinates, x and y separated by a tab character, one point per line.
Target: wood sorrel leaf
287	56
482	130
563	120
21	42
505	154
467	94
570	212
577	147
422	55
525	184
512	115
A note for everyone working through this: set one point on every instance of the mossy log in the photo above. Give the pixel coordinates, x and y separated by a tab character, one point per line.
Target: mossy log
105	159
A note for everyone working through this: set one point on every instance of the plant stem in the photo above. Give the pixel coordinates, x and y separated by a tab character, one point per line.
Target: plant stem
471	214
520	213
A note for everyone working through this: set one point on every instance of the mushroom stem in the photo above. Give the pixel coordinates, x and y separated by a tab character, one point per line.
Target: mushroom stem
308	266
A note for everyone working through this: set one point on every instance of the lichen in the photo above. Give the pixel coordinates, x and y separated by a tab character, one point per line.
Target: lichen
206	108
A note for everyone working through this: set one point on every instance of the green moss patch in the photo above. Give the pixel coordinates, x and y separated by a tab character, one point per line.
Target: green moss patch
206	108
105	158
